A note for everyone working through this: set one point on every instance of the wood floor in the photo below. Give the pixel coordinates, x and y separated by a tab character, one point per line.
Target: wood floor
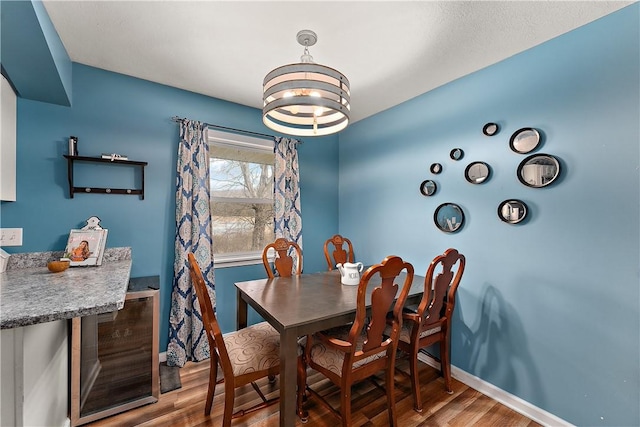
185	407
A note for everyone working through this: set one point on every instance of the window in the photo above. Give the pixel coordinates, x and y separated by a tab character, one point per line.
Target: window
242	197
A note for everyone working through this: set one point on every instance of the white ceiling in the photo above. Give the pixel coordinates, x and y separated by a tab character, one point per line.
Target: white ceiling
391	51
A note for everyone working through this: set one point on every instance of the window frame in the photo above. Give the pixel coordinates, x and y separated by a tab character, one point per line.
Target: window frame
228	139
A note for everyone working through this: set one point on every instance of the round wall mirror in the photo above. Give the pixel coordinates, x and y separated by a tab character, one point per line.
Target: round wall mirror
456	154
512	211
428	187
449	217
477	172
524	140
435	168
490	129
538	170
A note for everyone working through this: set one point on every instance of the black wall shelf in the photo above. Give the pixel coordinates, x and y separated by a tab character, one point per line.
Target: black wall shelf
99	190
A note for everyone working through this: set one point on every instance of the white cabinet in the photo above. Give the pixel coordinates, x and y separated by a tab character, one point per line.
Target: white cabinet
7	142
35	375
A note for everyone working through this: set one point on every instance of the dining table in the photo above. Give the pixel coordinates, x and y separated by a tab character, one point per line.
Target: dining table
301	305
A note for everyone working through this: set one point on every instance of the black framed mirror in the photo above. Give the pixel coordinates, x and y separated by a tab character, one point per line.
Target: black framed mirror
512	211
490	129
449	217
538	170
477	172
456	154
435	168
428	187
524	140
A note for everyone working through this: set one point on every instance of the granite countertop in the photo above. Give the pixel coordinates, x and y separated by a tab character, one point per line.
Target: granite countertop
31	294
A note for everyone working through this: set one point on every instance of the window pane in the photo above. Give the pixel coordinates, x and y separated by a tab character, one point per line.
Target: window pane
241	227
241	199
232	178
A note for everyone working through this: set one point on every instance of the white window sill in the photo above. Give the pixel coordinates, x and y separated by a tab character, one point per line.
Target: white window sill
238	259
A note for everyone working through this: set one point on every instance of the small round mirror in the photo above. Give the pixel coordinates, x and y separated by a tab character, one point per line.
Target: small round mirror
490	129
538	170
456	154
477	172
435	168
428	187
524	140
512	211
449	217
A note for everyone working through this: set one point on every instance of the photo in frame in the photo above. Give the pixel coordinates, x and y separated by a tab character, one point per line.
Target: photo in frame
86	247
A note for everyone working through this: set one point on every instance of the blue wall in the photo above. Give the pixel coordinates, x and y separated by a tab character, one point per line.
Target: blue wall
32	53
114	113
548	310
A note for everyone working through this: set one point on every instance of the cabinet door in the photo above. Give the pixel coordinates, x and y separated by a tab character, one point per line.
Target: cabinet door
8	142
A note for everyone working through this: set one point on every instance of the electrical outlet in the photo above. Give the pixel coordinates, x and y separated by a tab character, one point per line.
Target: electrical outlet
10	236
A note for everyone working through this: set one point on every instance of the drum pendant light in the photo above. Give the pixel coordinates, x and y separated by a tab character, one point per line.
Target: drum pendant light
305	98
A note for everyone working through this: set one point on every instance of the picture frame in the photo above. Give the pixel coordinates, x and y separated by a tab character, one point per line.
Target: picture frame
428	187
456	154
512	211
449	217
490	129
86	247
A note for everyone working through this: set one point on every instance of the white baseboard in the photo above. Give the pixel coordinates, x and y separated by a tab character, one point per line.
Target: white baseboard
163	357
507	399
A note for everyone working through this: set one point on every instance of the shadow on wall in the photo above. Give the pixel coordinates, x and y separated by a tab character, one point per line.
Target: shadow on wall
495	348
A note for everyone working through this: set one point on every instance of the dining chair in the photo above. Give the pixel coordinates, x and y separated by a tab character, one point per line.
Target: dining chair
352	353
245	356
340	255
430	321
283	263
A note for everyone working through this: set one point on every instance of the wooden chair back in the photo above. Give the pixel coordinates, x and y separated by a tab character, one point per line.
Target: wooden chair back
350	354
339	255
386	296
288	254
430	322
209	320
439	297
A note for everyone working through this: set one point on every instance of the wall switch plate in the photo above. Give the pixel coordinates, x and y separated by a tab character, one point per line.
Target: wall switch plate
10	236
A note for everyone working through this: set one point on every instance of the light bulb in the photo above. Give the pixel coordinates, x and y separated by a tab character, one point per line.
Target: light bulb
294	109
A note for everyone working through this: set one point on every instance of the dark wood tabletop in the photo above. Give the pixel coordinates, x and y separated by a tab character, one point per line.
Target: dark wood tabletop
301	305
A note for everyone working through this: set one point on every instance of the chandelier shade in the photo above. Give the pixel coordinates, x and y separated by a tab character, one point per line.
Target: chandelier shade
305	98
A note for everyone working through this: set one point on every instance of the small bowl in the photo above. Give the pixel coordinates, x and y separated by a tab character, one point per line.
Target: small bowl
58	266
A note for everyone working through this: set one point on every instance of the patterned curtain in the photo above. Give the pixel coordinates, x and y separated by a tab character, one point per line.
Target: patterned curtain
288	216
187	337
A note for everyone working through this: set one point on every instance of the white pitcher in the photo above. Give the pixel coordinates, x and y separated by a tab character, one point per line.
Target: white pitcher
350	273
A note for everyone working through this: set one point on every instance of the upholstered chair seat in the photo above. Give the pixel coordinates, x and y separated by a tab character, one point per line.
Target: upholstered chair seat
333	359
254	348
405	332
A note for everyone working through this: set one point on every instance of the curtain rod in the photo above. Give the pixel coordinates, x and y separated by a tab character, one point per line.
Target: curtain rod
180	119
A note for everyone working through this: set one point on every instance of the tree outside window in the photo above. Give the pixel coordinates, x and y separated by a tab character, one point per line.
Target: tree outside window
242	199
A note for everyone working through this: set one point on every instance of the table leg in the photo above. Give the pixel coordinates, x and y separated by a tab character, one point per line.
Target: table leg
241	314
288	372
